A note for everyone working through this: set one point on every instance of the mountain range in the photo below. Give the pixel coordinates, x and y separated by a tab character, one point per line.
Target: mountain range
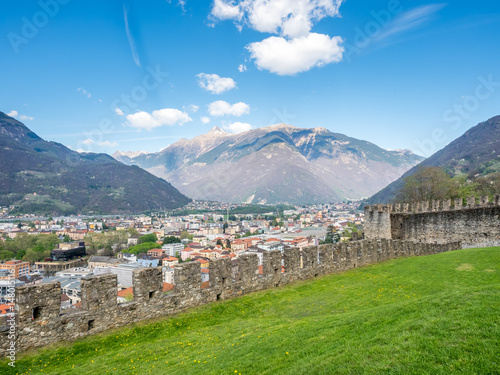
46	177
275	164
475	153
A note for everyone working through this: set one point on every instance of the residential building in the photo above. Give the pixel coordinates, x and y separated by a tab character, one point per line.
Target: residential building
173	249
156	252
16	268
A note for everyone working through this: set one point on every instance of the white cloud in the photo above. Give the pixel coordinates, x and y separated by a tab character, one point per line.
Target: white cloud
166	116
288	57
238	127
84	92
205	120
20	117
215	84
130	38
292	21
242	68
222	108
192	108
88	142
410	19
291	18
119	112
225	10
107	144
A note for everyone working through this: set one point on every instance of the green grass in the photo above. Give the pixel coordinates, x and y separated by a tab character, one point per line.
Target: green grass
437	314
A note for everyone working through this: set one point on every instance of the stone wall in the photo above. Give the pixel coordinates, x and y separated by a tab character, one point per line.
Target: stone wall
475	223
40	321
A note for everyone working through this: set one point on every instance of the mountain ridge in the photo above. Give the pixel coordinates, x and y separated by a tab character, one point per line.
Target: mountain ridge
41	176
469	154
318	154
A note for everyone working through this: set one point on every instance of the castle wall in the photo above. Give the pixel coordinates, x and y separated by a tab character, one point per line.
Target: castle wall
40	321
475	223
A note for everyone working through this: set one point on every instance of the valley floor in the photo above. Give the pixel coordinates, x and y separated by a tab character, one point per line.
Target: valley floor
437	314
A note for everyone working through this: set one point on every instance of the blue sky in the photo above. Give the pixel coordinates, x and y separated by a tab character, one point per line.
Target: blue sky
134	75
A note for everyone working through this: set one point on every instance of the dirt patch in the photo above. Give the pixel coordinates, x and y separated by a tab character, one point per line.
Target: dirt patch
465	267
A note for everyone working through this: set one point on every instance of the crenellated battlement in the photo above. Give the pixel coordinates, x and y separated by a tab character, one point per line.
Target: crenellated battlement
40	320
471	221
435	205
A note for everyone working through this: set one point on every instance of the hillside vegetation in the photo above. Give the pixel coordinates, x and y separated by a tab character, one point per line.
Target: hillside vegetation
475	156
48	178
436	314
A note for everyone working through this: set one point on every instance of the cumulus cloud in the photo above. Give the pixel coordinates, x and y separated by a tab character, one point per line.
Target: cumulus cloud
119	112
222	108
166	116
292	22
88	142
225	10
291	18
214	83
242	68
238	127
20	117
288	57
205	120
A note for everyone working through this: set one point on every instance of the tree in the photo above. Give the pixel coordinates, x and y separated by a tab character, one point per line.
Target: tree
427	184
488	185
148	238
133	232
20	254
6	255
185	235
228	243
219	243
332	235
171	239
352	230
141	248
66	238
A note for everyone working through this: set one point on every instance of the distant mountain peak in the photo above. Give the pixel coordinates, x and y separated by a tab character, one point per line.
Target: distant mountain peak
216	131
281	125
130	154
276	163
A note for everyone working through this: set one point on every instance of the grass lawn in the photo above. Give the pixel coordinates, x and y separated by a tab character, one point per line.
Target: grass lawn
437	314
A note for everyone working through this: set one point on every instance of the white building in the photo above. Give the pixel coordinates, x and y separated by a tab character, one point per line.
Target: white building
173	249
